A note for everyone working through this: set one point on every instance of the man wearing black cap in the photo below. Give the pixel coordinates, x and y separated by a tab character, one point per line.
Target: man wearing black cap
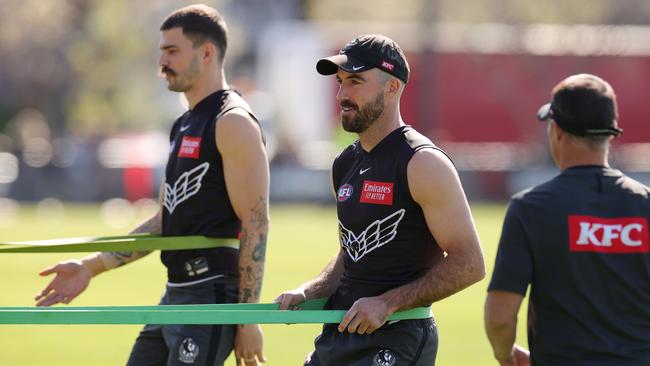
581	241
406	233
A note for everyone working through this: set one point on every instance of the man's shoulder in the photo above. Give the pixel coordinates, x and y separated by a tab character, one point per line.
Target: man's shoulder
231	102
633	186
538	192
415	140
349	152
414	143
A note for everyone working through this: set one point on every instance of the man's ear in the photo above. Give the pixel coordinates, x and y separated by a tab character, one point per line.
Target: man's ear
393	86
208	52
558	133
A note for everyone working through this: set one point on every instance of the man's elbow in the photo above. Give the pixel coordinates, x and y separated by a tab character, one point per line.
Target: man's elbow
477	269
499	323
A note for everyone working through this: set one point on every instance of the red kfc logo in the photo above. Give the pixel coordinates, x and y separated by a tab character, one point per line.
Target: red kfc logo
377	192
189	147
614	235
387	65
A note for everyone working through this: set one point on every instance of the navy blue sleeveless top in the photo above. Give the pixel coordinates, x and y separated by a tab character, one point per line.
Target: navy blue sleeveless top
381	228
195	198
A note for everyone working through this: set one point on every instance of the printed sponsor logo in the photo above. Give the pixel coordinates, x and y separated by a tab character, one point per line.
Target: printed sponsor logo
611	235
384	357
377	234
345	191
380	193
189	147
387	65
188	351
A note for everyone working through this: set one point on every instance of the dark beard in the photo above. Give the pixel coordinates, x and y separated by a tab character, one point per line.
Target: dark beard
364	116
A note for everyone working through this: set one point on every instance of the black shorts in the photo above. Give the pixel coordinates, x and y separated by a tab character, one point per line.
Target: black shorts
402	343
174	344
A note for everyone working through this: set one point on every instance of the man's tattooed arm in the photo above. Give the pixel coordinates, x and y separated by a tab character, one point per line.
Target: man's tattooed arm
252	251
111	260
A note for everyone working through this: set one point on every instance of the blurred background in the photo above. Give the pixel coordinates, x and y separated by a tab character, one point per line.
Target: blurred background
85	117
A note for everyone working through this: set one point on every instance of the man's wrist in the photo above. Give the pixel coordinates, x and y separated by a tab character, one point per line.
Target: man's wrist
95	264
391	301
305	293
505	357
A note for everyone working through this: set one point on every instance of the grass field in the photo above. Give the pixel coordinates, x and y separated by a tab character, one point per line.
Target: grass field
302	240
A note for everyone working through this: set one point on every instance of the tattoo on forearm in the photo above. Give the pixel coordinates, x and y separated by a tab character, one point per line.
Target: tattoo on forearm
259	217
246	295
123	258
252	251
259	253
251	277
251	282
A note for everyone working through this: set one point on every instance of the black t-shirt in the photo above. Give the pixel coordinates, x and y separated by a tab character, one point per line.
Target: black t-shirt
581	241
195	198
381	228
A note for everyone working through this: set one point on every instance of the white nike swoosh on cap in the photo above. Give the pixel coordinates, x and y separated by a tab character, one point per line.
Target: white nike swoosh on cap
361	171
183	128
355	68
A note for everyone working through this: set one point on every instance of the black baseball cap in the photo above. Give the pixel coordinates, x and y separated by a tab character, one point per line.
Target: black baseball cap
583	105
367	52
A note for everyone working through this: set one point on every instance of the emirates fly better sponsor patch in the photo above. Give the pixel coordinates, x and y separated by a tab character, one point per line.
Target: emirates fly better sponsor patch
377	192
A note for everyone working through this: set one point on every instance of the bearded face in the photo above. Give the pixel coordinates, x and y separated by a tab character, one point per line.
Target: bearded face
357	118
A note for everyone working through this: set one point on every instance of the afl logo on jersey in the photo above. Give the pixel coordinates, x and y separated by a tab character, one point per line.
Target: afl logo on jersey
345	191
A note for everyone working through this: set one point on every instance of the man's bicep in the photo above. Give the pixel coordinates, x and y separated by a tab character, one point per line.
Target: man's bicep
513	266
245	164
435	186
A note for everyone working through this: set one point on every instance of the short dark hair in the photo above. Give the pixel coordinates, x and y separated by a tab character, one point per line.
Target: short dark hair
200	23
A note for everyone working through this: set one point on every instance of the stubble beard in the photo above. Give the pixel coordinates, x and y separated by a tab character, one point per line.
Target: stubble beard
184	82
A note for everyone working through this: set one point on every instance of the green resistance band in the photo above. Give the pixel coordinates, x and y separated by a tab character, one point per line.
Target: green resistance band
136	242
309	312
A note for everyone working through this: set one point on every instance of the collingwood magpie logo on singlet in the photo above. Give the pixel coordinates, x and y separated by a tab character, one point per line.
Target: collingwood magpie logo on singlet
377	234
187	185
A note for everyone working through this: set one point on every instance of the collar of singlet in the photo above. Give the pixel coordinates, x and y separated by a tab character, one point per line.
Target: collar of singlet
590	169
392	135
208	102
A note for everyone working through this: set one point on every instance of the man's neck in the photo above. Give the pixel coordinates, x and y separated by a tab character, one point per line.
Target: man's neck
573	160
204	87
380	128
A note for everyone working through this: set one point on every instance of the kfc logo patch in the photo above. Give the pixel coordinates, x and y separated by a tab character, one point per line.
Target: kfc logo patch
345	191
380	193
387	65
189	147
613	235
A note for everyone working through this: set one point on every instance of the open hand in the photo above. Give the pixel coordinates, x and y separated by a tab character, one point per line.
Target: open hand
71	279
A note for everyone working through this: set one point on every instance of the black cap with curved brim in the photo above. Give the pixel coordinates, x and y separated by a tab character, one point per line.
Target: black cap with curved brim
583	105
365	53
548	111
331	65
